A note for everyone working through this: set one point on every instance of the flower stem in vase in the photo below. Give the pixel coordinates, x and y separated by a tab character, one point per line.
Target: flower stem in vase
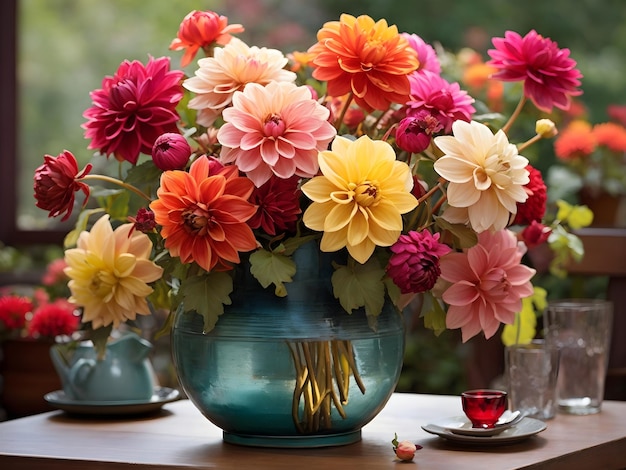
323	370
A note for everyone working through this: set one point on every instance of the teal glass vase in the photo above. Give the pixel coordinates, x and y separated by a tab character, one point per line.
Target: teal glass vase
294	371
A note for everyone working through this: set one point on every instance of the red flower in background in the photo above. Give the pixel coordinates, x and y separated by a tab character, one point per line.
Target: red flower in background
56	182
549	74
133	108
53	319
13	311
202	29
534	208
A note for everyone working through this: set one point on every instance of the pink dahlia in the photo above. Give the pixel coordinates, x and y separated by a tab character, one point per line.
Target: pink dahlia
278	205
445	102
414	133
534	208
275	129
549	74
426	55
133	108
414	263
488	283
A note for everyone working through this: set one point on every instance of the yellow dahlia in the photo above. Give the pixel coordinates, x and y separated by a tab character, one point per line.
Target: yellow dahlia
109	272
486	175
370	59
359	199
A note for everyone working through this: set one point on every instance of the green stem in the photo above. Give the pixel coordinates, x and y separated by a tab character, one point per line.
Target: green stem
339	121
529	142
117	182
515	115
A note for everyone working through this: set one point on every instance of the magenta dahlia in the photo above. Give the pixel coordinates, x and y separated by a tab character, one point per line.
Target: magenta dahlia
414	263
549	74
133	108
444	101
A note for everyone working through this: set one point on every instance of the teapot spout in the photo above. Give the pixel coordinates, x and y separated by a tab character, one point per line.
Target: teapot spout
61	365
133	347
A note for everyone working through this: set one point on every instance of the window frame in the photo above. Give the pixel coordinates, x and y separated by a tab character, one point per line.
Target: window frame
10	233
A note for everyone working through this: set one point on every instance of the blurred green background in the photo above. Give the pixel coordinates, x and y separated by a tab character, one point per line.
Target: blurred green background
66	47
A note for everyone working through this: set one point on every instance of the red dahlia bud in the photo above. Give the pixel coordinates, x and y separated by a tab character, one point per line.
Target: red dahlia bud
171	152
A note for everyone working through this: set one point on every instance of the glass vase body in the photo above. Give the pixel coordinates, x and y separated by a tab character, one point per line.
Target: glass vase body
243	377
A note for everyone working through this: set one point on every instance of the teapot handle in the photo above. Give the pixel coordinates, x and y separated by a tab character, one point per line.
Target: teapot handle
81	370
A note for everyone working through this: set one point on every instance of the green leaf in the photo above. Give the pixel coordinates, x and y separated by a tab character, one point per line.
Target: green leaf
145	176
289	246
435	316
360	285
272	268
81	225
207	295
464	235
100	337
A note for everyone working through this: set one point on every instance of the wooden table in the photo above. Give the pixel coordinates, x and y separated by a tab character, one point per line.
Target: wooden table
179	437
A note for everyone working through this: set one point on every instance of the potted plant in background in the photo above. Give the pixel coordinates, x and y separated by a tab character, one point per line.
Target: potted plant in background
592	167
31	317
288	207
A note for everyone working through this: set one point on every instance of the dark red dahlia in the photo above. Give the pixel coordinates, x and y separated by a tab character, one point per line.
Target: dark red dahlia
278	205
534	208
133	108
55	183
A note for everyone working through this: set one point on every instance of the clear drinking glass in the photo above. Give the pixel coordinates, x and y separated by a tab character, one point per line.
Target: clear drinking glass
581	329
531	372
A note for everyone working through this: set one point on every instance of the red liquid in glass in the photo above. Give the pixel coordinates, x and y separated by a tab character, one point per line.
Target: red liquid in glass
484	407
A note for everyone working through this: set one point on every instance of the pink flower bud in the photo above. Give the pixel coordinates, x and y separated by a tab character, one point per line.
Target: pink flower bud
405	450
171	152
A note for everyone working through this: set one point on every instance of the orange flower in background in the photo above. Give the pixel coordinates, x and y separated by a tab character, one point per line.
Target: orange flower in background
203	216
202	29
369	59
576	140
611	135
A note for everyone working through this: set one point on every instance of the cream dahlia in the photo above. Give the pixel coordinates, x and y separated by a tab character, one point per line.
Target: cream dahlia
486	176
231	68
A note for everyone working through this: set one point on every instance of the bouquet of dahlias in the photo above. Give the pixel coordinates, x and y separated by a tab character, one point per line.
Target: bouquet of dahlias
359	143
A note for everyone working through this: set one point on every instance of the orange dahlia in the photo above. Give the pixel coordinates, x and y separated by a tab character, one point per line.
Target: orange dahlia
369	59
203	216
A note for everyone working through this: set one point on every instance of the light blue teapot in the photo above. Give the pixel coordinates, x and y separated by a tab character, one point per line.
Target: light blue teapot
124	374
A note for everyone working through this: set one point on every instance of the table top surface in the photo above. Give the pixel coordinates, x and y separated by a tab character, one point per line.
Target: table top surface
178	437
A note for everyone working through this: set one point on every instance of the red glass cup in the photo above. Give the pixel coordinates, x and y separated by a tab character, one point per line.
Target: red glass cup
484	407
